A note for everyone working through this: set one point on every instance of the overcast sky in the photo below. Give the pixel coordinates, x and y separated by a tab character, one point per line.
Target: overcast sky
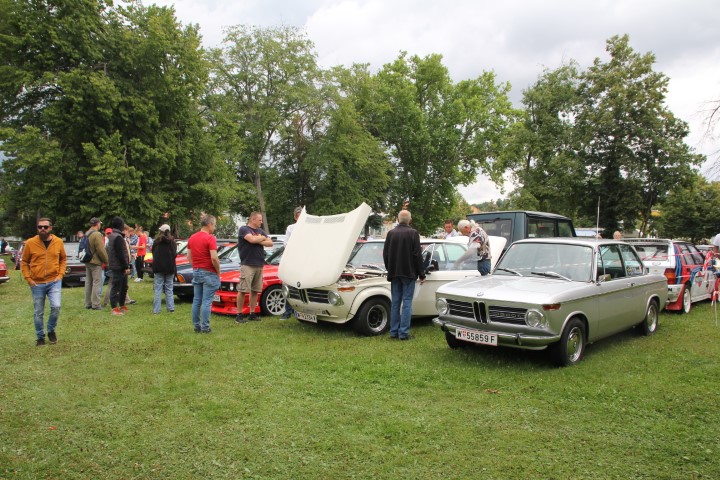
514	38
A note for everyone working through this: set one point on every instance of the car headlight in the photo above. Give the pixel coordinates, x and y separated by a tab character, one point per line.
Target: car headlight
180	278
334	298
442	306
285	290
535	319
232	286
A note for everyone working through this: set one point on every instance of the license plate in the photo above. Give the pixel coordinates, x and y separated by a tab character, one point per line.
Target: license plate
216	298
82	279
476	336
308	317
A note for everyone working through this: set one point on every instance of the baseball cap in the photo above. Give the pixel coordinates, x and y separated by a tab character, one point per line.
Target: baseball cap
95	221
108	230
164	227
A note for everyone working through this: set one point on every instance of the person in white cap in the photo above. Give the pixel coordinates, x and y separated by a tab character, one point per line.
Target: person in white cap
164	252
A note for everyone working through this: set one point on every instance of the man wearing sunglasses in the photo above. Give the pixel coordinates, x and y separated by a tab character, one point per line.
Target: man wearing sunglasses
43	266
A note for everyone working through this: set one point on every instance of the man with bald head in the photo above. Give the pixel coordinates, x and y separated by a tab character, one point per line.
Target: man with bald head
404	264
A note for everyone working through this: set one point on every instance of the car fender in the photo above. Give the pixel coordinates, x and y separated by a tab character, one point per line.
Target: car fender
360	298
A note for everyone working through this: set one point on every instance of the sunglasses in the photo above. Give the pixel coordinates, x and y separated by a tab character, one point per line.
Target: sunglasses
43	227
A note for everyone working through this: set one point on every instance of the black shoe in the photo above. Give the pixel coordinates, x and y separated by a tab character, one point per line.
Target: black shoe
254	317
206	331
392	337
197	330
409	337
52	337
240	318
97	308
40	342
284	316
88	307
131	302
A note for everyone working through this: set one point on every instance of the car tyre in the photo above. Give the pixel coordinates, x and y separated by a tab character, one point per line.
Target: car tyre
373	318
686	299
452	341
571	347
272	301
650	323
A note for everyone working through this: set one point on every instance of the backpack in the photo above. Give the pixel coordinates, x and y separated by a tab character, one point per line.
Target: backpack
84	252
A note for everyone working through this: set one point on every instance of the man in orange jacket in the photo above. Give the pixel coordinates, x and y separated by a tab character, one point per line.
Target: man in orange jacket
43	266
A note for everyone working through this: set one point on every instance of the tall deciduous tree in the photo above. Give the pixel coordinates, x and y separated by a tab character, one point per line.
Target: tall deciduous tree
109	96
691	211
263	79
630	142
439	134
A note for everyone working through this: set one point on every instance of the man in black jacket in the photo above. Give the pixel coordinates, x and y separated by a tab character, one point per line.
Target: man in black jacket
119	264
403	261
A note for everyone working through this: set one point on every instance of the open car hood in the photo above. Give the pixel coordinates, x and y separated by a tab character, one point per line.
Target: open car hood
319	248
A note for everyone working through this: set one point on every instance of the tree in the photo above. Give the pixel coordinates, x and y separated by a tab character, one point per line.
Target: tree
541	154
632	145
439	134
262	79
691	211
108	96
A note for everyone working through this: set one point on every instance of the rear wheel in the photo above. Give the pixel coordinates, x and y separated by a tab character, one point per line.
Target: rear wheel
272	301
571	347
650	324
373	318
686	299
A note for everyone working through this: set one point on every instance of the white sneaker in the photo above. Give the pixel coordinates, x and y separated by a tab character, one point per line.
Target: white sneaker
138	280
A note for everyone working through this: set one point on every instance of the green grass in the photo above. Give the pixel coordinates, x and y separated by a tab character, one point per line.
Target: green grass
142	396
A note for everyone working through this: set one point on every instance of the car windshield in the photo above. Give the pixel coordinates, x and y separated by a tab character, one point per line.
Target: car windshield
230	253
367	255
655	251
548	260
276	256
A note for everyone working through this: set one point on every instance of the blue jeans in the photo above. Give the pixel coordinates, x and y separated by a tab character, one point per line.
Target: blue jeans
163	282
401	291
39	292
484	266
205	284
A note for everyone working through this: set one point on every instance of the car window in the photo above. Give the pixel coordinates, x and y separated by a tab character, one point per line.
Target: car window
275	258
564	229
655	251
547	260
540	228
633	265
690	254
368	254
610	262
498	228
231	253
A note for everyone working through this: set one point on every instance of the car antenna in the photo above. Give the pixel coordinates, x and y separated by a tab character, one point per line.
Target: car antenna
597	220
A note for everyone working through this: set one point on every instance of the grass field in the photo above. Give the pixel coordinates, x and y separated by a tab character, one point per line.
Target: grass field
142	396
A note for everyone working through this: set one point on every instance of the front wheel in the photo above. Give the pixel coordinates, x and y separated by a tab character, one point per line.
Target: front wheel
272	301
686	299
571	347
650	324
373	318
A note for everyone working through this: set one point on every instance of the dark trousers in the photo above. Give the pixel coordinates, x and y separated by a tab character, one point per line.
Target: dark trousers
118	288
139	264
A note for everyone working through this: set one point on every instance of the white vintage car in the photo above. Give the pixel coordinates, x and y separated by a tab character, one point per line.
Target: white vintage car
558	293
330	277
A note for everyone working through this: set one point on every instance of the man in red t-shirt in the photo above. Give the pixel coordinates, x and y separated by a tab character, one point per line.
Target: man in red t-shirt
141	250
202	255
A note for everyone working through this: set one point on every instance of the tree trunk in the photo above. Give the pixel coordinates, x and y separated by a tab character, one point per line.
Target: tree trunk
261	200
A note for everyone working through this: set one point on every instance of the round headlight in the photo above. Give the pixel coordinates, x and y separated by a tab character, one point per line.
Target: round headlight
231	287
334	298
442	306
285	290
534	318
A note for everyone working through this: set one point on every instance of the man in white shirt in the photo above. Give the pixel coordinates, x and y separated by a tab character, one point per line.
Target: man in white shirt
288	231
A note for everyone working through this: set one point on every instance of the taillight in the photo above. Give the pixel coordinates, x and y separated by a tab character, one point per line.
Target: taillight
670	274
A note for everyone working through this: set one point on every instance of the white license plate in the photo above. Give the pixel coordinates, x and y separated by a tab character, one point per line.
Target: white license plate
476	336
308	317
216	298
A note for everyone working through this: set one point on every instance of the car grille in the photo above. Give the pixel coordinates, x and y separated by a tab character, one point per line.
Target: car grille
461	309
308	295
512	315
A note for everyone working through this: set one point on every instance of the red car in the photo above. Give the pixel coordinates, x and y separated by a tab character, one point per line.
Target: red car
272	301
3	272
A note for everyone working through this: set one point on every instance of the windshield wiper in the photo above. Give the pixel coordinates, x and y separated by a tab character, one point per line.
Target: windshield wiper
551	275
514	272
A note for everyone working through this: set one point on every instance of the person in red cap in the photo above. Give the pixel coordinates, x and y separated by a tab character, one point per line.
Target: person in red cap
94	268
